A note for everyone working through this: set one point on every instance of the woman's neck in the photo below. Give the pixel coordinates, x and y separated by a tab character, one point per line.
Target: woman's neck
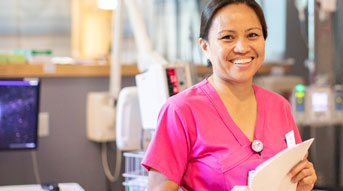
238	90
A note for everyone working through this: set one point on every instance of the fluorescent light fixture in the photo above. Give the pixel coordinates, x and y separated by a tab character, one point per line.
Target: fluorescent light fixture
107	4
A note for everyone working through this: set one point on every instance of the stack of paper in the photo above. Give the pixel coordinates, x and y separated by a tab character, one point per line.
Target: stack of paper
272	174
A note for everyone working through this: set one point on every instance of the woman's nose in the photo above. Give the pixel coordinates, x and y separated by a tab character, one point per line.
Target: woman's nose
241	46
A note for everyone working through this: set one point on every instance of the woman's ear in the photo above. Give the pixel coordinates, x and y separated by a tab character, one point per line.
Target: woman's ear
204	47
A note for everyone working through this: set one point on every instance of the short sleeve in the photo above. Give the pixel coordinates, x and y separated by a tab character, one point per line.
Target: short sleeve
169	149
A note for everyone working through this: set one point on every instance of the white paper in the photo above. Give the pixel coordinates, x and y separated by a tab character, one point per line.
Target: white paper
272	174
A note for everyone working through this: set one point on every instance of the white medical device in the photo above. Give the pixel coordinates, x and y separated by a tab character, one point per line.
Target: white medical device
156	85
128	120
338	107
100	118
313	105
319	105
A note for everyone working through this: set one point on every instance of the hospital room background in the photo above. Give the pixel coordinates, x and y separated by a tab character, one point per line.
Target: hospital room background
79	54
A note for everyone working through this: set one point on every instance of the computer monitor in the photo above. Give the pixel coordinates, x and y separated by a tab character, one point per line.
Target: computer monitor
19	108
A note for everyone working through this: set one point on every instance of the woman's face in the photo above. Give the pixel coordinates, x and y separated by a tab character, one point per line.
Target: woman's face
235	43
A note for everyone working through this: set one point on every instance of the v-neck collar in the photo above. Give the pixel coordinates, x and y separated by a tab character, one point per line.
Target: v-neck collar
228	121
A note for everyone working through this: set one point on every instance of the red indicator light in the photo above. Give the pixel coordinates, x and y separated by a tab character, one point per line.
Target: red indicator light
172	81
173	78
175	90
171	71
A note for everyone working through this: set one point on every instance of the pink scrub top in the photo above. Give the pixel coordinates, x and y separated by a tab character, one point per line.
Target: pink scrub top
198	146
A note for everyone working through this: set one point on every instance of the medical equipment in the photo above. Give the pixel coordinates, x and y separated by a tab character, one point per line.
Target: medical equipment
100	117
317	112
313	105
128	120
298	104
317	106
338	96
19	109
156	85
316	19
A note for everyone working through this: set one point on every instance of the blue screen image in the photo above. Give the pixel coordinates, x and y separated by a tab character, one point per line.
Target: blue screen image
19	105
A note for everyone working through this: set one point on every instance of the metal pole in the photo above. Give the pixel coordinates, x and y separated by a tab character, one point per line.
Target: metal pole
311	4
115	74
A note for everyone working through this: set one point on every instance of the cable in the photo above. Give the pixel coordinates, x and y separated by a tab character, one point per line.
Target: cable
105	166
35	167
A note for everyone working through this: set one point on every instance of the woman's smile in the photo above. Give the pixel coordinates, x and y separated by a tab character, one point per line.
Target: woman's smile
242	62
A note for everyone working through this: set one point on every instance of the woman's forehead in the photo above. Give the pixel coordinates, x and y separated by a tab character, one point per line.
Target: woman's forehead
235	15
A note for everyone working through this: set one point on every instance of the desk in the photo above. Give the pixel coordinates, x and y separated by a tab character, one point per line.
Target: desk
37	187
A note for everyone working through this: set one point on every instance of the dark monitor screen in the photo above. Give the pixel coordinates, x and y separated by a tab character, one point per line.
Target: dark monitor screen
19	107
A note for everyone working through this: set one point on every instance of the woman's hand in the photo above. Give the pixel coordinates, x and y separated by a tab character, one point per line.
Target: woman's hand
304	174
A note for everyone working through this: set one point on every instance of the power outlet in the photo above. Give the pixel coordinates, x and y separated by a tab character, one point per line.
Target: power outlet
43	124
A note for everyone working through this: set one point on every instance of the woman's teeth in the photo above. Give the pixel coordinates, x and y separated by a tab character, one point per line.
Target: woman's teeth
242	61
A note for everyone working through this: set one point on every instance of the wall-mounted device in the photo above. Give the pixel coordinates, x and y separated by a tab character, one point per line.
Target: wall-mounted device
100	117
19	108
156	85
319	105
338	97
298	103
128	120
316	106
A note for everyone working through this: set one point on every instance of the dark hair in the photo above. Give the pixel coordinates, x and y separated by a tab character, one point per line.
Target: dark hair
213	6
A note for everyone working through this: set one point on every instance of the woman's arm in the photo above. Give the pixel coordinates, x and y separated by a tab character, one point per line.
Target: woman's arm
157	182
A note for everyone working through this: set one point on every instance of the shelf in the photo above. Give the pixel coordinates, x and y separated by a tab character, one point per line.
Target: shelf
61	70
77	70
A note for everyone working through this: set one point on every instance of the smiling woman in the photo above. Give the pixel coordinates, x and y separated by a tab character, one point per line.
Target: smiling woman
204	134
235	47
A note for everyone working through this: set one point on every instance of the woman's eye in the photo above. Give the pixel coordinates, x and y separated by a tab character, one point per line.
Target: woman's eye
227	37
253	35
